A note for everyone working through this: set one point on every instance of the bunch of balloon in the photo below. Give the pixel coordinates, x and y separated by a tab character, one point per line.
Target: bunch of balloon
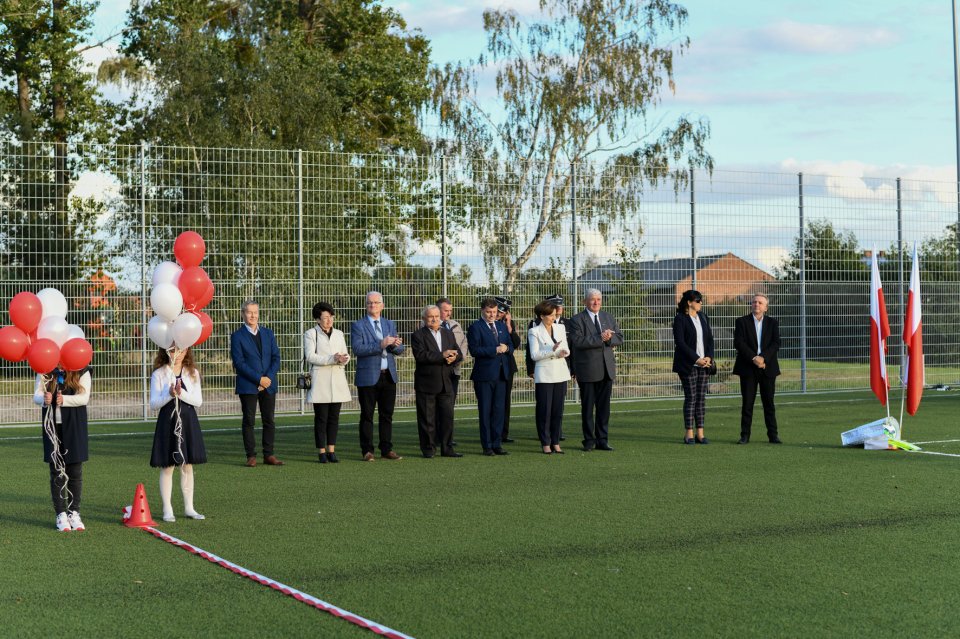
41	335
180	291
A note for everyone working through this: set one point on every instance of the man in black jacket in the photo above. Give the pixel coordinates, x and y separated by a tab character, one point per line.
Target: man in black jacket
756	338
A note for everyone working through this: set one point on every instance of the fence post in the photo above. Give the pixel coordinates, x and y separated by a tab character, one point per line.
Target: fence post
574	253
803	289
693	231
303	395
900	250
144	375
444	264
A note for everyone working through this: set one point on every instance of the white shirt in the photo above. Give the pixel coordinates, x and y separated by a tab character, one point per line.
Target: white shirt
69	401
759	326
161	381
438	338
699	327
377	325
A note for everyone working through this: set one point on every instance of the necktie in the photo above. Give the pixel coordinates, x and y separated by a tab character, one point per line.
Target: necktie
596	322
493	329
446	326
376	327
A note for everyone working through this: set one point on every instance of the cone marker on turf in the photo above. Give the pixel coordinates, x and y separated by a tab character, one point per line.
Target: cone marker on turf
139	515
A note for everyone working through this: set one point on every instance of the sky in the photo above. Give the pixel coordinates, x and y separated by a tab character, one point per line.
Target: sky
842	88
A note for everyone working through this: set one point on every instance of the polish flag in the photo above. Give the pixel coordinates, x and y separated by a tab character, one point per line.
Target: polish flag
913	372
879	332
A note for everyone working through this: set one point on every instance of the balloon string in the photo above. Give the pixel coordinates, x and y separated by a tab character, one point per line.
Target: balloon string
178	456
56	456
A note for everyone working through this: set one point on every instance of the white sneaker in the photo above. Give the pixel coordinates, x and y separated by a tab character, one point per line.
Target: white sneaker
75	523
169	517
63	523
194	515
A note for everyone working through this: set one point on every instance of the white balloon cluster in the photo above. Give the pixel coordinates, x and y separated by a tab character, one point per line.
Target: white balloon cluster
53	319
171	327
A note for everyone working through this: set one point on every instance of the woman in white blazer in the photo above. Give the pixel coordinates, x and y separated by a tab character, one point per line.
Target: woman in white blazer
325	350
549	350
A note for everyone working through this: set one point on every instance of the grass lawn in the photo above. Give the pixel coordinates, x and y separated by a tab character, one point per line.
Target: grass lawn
653	539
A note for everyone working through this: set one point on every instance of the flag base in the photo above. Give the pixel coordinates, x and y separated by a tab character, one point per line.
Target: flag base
902	445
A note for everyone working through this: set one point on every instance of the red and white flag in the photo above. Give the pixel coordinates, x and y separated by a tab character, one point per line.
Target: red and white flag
879	332
913	372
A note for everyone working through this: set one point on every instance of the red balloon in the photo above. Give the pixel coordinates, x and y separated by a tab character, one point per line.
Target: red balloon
189	249
193	285
76	354
206	327
205	298
25	311
43	356
13	343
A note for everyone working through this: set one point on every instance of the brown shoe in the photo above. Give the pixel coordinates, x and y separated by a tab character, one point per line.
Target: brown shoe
271	460
391	455
251	462
369	457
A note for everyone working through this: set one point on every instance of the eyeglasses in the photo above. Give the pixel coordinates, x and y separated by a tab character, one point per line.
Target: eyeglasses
697	301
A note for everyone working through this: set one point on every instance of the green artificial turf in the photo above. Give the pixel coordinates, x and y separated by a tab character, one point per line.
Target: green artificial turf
653	539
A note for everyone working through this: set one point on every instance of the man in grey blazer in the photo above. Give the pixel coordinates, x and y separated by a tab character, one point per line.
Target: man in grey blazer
593	335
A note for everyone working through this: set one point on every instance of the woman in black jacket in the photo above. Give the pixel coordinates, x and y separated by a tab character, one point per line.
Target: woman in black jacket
692	359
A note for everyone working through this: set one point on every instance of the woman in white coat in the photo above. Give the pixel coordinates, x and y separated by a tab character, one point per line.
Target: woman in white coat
325	350
549	350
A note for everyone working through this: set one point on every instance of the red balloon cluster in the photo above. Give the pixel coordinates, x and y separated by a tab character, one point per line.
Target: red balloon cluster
180	292
20	342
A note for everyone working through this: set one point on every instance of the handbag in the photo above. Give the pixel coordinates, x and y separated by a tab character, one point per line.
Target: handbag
712	368
304	381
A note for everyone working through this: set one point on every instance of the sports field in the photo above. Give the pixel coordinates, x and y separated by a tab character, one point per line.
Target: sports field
653	539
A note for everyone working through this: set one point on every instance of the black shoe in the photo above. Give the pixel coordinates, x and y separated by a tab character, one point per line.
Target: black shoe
507	440
775	440
332	458
688	440
562	438
557	451
488	452
744	440
428	454
451	453
702	440
587	449
499	451
604	446
322	458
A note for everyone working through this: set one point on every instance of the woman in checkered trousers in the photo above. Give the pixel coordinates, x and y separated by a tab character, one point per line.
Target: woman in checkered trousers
692	357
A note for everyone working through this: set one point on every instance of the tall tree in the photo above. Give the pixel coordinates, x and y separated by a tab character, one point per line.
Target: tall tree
47	100
827	255
577	82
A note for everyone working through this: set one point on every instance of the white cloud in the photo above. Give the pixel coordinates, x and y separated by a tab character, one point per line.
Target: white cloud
798	37
851	179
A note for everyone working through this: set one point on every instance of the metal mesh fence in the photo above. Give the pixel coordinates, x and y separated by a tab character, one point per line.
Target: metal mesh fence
291	228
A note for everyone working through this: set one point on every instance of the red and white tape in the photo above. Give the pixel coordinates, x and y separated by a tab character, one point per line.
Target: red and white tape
310	600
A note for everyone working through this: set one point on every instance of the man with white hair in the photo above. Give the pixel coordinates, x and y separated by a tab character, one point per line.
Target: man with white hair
436	353
594	334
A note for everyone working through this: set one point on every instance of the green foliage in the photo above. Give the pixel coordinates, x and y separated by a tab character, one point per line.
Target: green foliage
317	74
827	255
572	84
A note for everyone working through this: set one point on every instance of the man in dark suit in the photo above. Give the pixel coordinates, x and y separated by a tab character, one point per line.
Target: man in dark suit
756	338
503	316
436	353
491	349
375	344
256	360
593	335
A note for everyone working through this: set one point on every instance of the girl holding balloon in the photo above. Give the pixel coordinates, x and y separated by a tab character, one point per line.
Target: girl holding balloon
175	391
66	393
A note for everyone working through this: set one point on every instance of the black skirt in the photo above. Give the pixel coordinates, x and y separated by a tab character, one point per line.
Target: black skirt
72	434
165	441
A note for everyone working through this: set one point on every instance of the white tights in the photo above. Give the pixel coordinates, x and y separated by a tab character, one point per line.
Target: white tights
186	486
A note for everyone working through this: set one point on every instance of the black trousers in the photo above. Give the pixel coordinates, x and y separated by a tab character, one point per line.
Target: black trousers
748	391
595	399
74	484
248	403
435	421
383	397
550	399
694	397
326	424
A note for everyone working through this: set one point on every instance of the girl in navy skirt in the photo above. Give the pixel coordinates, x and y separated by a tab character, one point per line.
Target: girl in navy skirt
177	442
67	393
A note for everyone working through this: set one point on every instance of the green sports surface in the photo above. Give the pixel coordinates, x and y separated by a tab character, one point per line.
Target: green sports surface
653	539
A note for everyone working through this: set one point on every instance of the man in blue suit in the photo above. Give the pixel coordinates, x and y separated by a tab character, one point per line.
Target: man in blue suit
375	345
256	360
489	343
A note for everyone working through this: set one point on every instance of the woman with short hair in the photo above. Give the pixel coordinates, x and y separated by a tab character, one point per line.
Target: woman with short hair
325	351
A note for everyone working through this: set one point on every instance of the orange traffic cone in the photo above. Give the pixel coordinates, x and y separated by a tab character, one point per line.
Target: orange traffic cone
139	515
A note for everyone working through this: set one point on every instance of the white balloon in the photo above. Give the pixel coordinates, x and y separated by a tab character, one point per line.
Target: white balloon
186	330
54	328
75	331
167	273
160	331
167	301
53	302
